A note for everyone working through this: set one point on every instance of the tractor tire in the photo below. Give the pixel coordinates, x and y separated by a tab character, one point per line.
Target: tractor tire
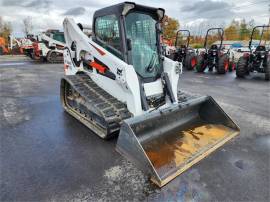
190	61
201	66
267	70
43	59
241	68
223	64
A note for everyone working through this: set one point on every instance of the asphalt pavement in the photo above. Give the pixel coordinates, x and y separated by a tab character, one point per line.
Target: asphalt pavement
47	155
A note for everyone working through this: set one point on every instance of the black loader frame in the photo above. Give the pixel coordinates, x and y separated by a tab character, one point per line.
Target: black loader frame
183	53
257	60
213	57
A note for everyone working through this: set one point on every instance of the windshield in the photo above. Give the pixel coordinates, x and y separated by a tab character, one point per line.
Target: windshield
182	39
59	37
141	30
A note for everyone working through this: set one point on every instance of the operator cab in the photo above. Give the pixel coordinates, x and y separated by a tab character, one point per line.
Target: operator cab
213	47
131	32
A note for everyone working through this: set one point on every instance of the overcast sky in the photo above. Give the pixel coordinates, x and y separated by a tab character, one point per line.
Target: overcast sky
50	13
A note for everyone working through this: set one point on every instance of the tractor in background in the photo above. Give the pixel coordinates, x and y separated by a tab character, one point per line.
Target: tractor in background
213	57
183	53
257	60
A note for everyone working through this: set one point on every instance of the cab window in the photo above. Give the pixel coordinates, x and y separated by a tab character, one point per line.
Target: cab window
59	37
107	33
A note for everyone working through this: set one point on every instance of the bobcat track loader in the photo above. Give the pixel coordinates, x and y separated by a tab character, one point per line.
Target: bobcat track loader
49	46
118	83
3	46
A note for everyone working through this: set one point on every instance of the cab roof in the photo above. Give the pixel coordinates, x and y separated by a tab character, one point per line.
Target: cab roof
117	9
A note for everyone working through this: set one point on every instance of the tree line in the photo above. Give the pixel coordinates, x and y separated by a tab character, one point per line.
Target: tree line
6	27
242	31
236	31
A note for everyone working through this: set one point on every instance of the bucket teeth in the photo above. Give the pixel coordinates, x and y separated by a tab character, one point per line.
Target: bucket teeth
166	143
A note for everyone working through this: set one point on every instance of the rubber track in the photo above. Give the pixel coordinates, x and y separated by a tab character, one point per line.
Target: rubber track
58	60
99	102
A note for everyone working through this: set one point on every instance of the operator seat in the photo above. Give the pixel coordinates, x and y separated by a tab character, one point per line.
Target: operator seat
213	47
260	48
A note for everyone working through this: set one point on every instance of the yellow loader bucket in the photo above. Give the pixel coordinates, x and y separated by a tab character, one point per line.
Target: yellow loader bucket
165	143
